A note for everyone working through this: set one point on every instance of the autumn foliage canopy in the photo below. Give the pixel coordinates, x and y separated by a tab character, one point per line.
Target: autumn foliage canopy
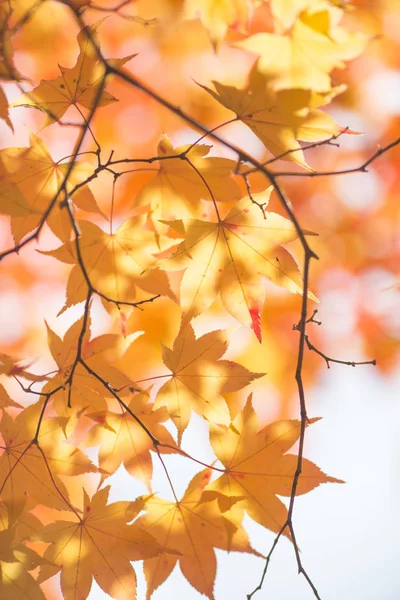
167	186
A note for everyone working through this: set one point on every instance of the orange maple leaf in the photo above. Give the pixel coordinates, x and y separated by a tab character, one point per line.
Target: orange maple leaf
83	84
257	468
16	560
10	366
85	391
5	400
122	440
25	469
193	528
99	545
7	67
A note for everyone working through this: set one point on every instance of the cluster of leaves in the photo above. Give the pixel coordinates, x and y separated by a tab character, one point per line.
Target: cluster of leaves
196	234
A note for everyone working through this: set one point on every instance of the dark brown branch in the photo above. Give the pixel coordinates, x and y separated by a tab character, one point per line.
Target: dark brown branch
328	359
261	206
329	142
363	168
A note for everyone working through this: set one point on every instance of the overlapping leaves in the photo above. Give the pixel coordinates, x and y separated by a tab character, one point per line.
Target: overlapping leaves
113	263
306	57
33	467
194	529
280	118
186	175
101	545
30	181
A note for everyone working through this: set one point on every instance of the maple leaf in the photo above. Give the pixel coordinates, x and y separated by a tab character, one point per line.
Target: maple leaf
194	529
198	377
79	85
22	521
30	180
180	184
234	255
16	560
5	400
278	118
306	57
122	440
25	469
85	392
114	263
218	15
99	545
257	467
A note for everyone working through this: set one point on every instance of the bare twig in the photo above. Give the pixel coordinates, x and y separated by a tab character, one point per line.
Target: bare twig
328	359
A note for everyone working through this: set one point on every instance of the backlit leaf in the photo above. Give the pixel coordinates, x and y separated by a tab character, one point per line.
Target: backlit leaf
83	84
235	255
197	377
123	440
280	119
99	546
305	58
258	467
194	529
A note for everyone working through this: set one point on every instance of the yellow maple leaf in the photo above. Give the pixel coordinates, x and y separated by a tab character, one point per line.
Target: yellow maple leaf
114	263
284	12
278	118
258	468
218	15
197	378
81	84
194	529
99	545
180	184
30	180
306	57
234	255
